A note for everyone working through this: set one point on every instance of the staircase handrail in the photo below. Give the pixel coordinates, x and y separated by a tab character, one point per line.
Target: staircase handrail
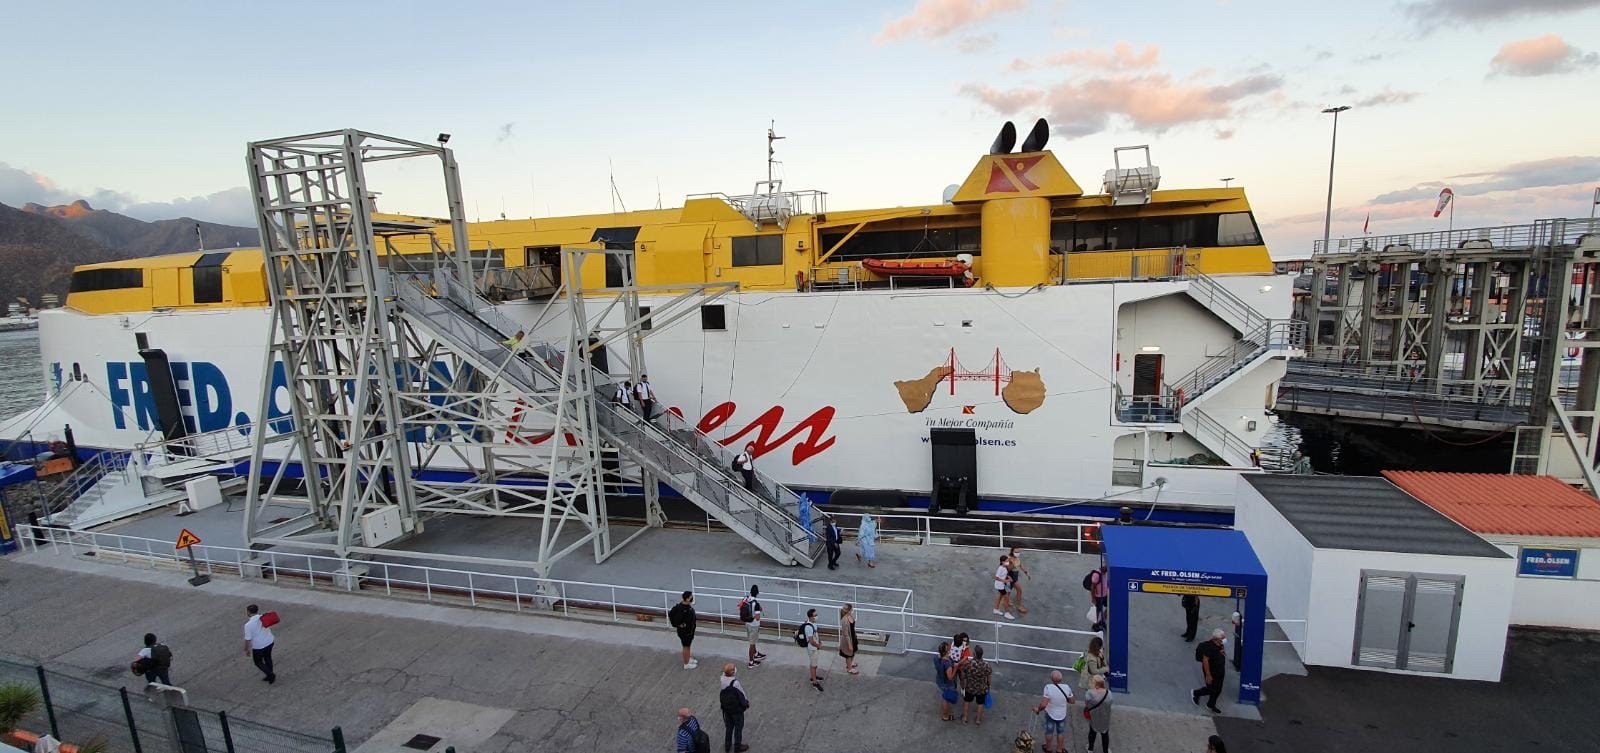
1270	335
82	479
197	445
1203	422
1218	296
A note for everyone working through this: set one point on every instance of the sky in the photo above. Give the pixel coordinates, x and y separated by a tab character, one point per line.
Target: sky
146	108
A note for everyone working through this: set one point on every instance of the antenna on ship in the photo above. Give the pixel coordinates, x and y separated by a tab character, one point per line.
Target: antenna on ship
616	196
772	135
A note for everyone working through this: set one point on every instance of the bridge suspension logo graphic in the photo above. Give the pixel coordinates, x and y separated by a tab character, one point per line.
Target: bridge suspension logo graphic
1021	391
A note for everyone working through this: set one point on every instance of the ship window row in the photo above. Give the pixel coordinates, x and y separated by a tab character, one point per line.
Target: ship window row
934	242
757	250
1200	230
86	280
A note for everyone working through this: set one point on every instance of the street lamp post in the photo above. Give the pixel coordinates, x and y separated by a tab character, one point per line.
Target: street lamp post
1327	218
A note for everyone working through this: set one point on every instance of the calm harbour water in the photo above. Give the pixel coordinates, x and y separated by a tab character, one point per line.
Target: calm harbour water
22	383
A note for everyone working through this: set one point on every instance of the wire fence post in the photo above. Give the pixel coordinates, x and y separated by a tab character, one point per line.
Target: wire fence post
338	741
133	730
222	718
49	708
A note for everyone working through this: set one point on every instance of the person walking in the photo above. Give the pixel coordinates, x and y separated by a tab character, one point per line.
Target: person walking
623	397
258	641
835	541
513	341
1238	641
1099	594
156	660
750	615
1002	584
690	738
734	702
1191	615
847	637
646	397
1092	664
1054	702
944	676
813	645
1214	664
683	620
1014	572
745	463
867	540
1214	744
974	675
1097	709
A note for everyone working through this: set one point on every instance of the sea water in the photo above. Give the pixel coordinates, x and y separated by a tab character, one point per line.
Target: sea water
22	384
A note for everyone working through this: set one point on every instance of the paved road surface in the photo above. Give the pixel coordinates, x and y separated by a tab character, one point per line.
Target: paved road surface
362	662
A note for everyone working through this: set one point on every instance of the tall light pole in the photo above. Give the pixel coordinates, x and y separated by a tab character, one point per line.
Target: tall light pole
1327	219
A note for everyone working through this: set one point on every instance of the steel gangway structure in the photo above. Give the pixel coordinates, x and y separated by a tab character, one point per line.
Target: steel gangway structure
410	397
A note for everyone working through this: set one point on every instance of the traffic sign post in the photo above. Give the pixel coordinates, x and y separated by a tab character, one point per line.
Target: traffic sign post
186	542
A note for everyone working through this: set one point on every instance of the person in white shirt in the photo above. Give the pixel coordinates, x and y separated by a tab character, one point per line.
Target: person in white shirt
624	395
646	395
1053	703
1002	582
746	463
258	642
813	644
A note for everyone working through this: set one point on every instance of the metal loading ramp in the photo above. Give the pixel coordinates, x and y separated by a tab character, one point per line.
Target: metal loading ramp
670	449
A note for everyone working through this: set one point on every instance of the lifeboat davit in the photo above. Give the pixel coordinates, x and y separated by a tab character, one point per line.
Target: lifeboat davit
959	268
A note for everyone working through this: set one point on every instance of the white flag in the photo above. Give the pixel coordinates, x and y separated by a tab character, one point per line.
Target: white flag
1444	200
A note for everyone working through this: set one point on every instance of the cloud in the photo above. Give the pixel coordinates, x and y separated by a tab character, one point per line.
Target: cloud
1433	13
1540	56
1223	134
1121	57
1154	102
932	19
504	133
1387	97
229	206
976	43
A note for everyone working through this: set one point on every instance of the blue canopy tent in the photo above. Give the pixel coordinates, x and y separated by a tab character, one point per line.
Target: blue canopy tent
1203	562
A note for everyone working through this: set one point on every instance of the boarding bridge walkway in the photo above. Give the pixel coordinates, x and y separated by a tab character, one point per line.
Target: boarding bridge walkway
666	446
1380	396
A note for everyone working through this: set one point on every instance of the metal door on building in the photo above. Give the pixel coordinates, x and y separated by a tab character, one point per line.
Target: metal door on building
1407	620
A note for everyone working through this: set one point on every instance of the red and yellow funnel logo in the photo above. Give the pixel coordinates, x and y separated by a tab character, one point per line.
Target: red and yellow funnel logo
1003	176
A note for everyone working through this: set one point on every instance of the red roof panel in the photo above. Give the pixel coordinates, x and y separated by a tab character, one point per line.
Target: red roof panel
1505	504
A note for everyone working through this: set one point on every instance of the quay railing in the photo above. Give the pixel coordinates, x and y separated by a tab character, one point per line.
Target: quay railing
1299	628
897	630
1556	231
989	533
821	592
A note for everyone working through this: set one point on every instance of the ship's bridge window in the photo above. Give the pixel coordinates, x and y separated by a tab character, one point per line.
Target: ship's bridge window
1237	229
87	280
757	250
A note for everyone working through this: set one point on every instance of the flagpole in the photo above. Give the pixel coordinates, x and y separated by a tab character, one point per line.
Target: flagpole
1452	215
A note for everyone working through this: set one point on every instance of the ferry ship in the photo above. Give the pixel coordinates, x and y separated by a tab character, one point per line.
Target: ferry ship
1120	347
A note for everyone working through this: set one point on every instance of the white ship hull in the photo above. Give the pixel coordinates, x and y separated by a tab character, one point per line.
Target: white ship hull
809	377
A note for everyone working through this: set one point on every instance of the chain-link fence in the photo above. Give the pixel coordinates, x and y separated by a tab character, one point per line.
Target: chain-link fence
84	711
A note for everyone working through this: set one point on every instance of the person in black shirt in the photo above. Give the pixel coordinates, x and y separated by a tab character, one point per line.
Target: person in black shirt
682	618
835	542
1213	662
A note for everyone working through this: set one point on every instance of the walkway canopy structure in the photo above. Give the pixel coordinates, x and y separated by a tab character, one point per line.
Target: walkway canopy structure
1203	562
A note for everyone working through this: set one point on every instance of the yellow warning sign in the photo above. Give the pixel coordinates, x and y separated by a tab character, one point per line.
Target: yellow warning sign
186	540
1187	589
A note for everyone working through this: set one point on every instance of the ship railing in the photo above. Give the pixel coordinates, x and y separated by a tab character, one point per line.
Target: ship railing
895	630
1147	409
1547	232
1122	266
226	443
986	533
1224	302
841	277
531	281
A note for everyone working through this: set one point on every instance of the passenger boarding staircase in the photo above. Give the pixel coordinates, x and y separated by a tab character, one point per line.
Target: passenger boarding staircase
115	485
667	446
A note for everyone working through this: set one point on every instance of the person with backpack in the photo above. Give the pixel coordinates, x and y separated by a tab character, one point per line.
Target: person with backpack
750	615
1214	665
690	738
258	640
155	660
734	703
1095	582
682	618
745	464
807	636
